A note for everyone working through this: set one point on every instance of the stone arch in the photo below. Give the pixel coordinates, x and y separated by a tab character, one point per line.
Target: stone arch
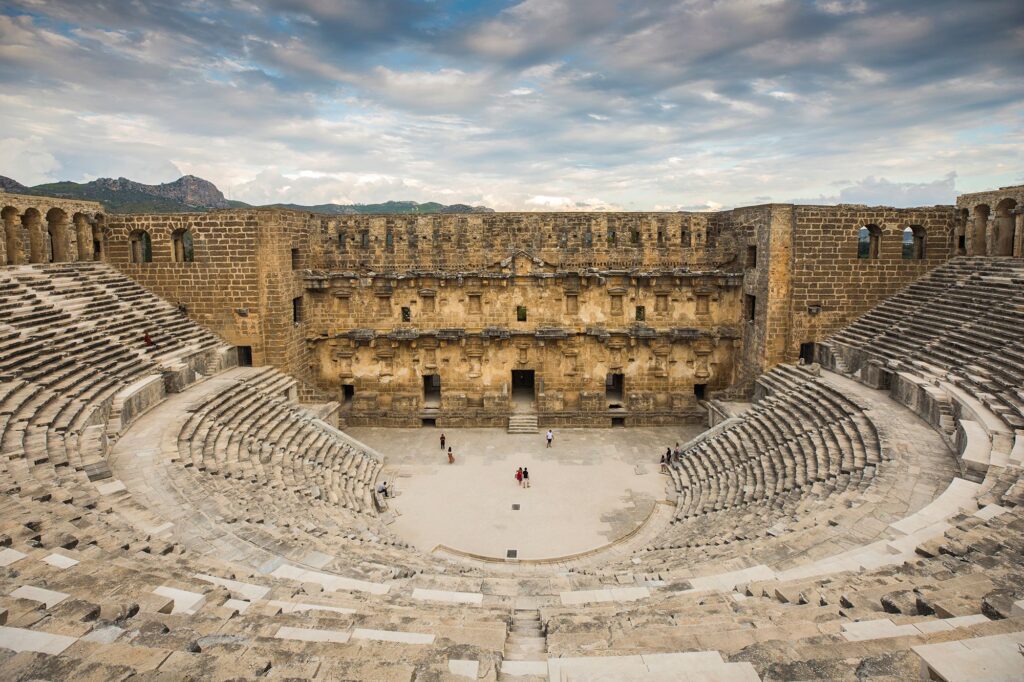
1004	228
12	236
182	246
141	247
869	242
978	232
57	235
32	222
914	238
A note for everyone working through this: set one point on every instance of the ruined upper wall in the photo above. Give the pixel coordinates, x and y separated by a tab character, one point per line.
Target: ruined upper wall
569	241
991	223
23	202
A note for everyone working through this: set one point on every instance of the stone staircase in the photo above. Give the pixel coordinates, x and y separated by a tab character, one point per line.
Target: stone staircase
522	423
525	654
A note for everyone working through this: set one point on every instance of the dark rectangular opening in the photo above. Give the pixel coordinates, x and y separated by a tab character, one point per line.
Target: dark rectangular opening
614	387
432	390
348	391
699	391
512	554
97	250
297	309
807	352
618	422
750	307
406	314
522	388
521	313
295	259
961	244
429	422
244	356
641	313
752	256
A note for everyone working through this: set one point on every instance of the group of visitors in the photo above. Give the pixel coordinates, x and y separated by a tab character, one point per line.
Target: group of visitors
523	477
451	455
671	455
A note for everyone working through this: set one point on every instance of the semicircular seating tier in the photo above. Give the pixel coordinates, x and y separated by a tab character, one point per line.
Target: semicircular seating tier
168	514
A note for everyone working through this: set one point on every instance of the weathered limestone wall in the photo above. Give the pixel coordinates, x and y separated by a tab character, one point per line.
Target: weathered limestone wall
653	297
682	306
767	256
240	284
991	223
577	331
831	285
45	230
465	243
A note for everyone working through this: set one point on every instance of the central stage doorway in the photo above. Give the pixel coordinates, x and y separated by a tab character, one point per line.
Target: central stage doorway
522	390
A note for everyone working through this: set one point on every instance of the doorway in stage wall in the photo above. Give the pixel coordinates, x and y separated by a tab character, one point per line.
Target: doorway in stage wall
522	390
614	388
431	390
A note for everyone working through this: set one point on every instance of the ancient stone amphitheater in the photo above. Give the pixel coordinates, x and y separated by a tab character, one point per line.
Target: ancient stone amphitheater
182	498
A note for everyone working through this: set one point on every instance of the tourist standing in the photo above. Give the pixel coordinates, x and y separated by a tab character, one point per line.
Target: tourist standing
526	477
519	476
451	457
442	441
550	437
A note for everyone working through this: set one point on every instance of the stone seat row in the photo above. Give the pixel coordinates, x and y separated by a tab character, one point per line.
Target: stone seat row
969	328
70	604
798	433
253	431
962	585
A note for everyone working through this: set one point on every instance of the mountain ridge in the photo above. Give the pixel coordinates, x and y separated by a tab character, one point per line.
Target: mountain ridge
190	193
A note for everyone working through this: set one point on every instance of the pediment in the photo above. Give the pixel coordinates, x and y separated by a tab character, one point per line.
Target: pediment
521	262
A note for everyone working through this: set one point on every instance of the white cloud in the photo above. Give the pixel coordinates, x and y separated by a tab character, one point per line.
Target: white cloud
28	161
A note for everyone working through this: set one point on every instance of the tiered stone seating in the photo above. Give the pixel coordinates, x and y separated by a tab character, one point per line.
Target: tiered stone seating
822	534
960	322
802	440
847	625
253	432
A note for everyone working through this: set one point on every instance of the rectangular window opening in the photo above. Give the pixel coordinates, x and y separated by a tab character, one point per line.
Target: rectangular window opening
641	313
750	306
752	256
297	310
348	391
406	314
521	313
295	259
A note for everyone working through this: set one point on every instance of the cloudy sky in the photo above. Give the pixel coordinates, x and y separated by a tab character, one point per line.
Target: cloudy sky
539	104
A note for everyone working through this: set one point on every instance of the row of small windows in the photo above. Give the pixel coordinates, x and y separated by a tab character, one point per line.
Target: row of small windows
140	246
612	237
571	307
869	242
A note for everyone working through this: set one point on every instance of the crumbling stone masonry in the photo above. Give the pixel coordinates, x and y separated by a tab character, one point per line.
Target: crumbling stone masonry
578	318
